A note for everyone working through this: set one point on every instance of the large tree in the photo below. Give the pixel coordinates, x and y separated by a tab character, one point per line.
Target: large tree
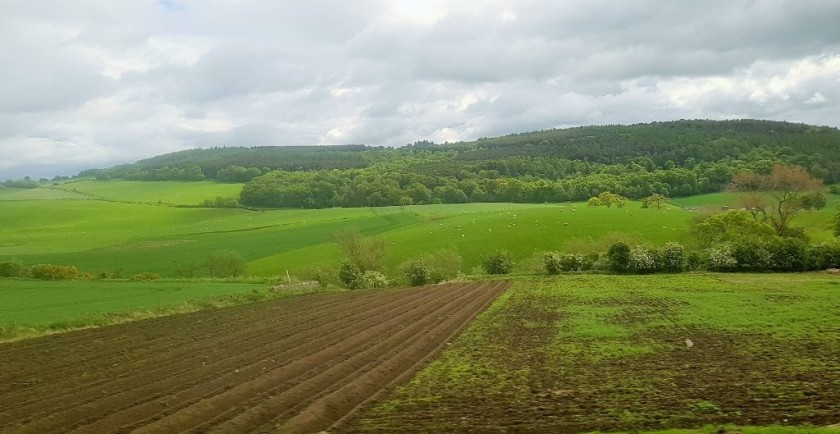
778	196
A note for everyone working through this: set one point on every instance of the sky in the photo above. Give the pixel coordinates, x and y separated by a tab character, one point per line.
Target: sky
92	83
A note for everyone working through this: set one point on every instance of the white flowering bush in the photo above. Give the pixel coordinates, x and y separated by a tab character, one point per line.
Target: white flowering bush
721	258
642	260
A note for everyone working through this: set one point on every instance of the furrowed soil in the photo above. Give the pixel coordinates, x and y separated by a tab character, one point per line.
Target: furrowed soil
295	365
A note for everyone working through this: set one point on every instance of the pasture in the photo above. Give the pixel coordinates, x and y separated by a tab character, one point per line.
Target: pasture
158	192
582	353
127	230
111	226
33	307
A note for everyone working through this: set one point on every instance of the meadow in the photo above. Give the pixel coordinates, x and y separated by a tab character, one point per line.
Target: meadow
583	353
135	227
98	233
117	229
33	308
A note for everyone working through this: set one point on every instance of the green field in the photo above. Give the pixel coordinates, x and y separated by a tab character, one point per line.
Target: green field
158	192
127	230
36	303
583	353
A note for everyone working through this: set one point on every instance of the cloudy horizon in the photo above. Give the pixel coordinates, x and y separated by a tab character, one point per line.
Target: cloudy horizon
93	84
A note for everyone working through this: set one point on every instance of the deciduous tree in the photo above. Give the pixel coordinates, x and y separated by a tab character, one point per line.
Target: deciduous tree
778	196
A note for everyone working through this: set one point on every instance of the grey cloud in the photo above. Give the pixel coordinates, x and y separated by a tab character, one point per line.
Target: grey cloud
131	79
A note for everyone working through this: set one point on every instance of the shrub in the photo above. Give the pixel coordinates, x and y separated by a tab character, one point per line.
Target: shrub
351	276
374	279
823	256
226	263
498	262
53	272
323	275
693	261
752	256
591	261
365	253
571	262
672	258
642	260
417	272
11	269
788	254
552	263
443	265
721	258
618	257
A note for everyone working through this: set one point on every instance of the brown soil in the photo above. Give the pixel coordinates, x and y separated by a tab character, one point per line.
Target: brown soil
298	365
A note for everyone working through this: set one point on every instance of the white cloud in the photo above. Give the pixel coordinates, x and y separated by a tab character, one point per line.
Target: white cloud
98	83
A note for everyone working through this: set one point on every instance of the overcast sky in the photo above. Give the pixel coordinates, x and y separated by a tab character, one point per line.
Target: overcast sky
92	83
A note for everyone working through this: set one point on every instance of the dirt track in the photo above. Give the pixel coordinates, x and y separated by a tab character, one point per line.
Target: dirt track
298	365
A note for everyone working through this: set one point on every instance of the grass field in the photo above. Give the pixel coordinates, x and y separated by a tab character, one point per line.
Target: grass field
587	353
37	303
158	192
32	308
106	226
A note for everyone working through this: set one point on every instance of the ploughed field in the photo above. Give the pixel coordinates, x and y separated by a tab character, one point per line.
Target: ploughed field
298	365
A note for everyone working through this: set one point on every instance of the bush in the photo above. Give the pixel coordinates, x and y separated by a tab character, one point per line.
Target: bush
618	257
591	261
374	279
788	254
672	258
498	262
721	258
752	256
642	260
351	276
443	265
417	272
823	256
53	272
693	261
226	263
552	263
364	253
571	262
323	275
11	269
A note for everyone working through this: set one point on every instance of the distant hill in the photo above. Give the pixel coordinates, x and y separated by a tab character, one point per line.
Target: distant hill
676	158
677	141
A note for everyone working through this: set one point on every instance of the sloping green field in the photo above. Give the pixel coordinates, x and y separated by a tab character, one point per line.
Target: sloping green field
127	229
162	192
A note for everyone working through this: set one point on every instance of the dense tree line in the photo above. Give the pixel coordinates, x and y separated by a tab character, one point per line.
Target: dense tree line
384	185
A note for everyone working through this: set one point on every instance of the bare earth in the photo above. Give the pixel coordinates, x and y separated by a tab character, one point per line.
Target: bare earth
298	365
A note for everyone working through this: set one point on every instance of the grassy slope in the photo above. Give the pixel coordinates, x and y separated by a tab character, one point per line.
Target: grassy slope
522	229
601	352
136	236
163	192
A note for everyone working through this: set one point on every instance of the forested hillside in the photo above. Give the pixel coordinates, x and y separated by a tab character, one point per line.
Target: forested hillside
677	158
